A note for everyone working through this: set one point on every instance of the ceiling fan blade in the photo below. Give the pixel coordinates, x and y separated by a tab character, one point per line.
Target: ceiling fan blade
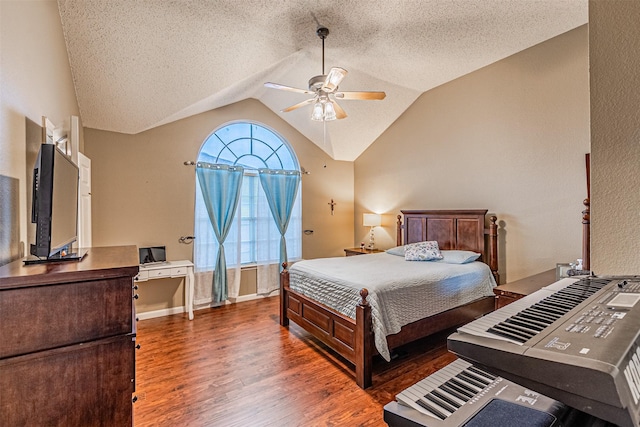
289	88
340	113
335	76
298	105
360	95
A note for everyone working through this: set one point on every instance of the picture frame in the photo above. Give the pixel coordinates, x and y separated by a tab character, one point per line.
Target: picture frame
562	270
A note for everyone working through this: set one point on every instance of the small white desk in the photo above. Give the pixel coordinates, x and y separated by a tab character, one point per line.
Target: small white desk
171	269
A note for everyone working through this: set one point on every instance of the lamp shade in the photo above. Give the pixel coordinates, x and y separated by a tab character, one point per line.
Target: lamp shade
318	112
371	220
329	111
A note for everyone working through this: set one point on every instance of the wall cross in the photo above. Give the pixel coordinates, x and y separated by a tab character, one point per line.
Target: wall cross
332	204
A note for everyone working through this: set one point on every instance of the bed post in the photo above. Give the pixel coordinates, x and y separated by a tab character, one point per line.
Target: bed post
364	342
399	231
284	288
493	248
586	236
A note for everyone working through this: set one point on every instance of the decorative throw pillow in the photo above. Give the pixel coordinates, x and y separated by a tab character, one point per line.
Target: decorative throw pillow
422	251
398	250
459	257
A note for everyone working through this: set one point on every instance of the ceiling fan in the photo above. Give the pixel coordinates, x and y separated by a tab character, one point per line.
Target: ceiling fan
324	89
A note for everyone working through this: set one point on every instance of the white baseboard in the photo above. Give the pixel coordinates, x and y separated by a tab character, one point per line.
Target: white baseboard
160	313
181	309
250	297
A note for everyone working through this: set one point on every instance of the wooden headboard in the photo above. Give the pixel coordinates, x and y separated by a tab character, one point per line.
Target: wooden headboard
452	229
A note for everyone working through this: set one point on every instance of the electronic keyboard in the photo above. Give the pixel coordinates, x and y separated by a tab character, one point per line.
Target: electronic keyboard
461	394
576	341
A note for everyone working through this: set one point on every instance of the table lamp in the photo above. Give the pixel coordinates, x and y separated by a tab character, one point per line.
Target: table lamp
371	220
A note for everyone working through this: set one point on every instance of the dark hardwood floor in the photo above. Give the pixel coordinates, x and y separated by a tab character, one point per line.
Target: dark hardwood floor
236	366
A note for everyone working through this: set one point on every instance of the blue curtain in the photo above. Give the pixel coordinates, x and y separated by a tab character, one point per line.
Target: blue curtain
281	187
220	185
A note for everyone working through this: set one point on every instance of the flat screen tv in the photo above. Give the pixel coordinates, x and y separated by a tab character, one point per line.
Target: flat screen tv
54	206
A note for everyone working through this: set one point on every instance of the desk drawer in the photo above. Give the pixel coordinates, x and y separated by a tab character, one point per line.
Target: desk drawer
156	274
178	271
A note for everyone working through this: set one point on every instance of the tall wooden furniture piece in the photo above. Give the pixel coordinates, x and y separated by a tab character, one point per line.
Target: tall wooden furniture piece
67	340
513	291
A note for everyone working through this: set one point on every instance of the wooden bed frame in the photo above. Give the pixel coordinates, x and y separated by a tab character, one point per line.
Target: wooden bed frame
353	338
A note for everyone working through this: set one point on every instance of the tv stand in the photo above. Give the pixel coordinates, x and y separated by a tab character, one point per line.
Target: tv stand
73	256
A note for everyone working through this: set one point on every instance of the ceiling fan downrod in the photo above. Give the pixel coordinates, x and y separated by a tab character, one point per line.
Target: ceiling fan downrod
322	32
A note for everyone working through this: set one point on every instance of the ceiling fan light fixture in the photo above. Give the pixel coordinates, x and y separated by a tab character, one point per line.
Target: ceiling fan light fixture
334	78
329	111
318	112
323	110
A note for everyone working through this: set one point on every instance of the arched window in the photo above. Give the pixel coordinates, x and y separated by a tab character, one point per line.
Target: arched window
254	237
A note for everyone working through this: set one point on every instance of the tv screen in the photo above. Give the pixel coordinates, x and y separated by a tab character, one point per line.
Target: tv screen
55	203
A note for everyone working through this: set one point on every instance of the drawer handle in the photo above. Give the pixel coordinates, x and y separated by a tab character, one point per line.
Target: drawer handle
138	347
136	296
135	287
134	399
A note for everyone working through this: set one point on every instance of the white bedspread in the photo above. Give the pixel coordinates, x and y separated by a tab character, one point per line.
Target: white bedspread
400	292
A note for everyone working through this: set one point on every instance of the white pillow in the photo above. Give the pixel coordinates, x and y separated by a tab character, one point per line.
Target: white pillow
458	257
422	251
398	250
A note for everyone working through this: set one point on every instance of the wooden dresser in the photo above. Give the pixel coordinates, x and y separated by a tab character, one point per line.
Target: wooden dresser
67	341
510	292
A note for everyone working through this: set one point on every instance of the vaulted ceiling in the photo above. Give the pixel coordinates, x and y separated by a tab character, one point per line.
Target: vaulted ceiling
138	64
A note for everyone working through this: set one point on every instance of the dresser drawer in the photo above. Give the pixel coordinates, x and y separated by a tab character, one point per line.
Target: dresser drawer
42	317
78	385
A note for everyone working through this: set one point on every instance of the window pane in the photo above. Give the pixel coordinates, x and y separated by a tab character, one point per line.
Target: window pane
264	134
226	156
234	131
240	146
252	162
274	162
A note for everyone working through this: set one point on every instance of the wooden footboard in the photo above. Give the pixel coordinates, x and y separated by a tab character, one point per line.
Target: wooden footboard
351	339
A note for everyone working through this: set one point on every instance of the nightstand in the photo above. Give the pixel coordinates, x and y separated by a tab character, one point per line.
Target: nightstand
359	251
510	292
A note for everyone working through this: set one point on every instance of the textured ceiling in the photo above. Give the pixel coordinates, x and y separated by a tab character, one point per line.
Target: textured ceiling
138	64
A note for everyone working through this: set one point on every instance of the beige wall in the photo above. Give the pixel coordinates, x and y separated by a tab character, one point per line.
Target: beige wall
510	138
35	81
144	195
614	47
